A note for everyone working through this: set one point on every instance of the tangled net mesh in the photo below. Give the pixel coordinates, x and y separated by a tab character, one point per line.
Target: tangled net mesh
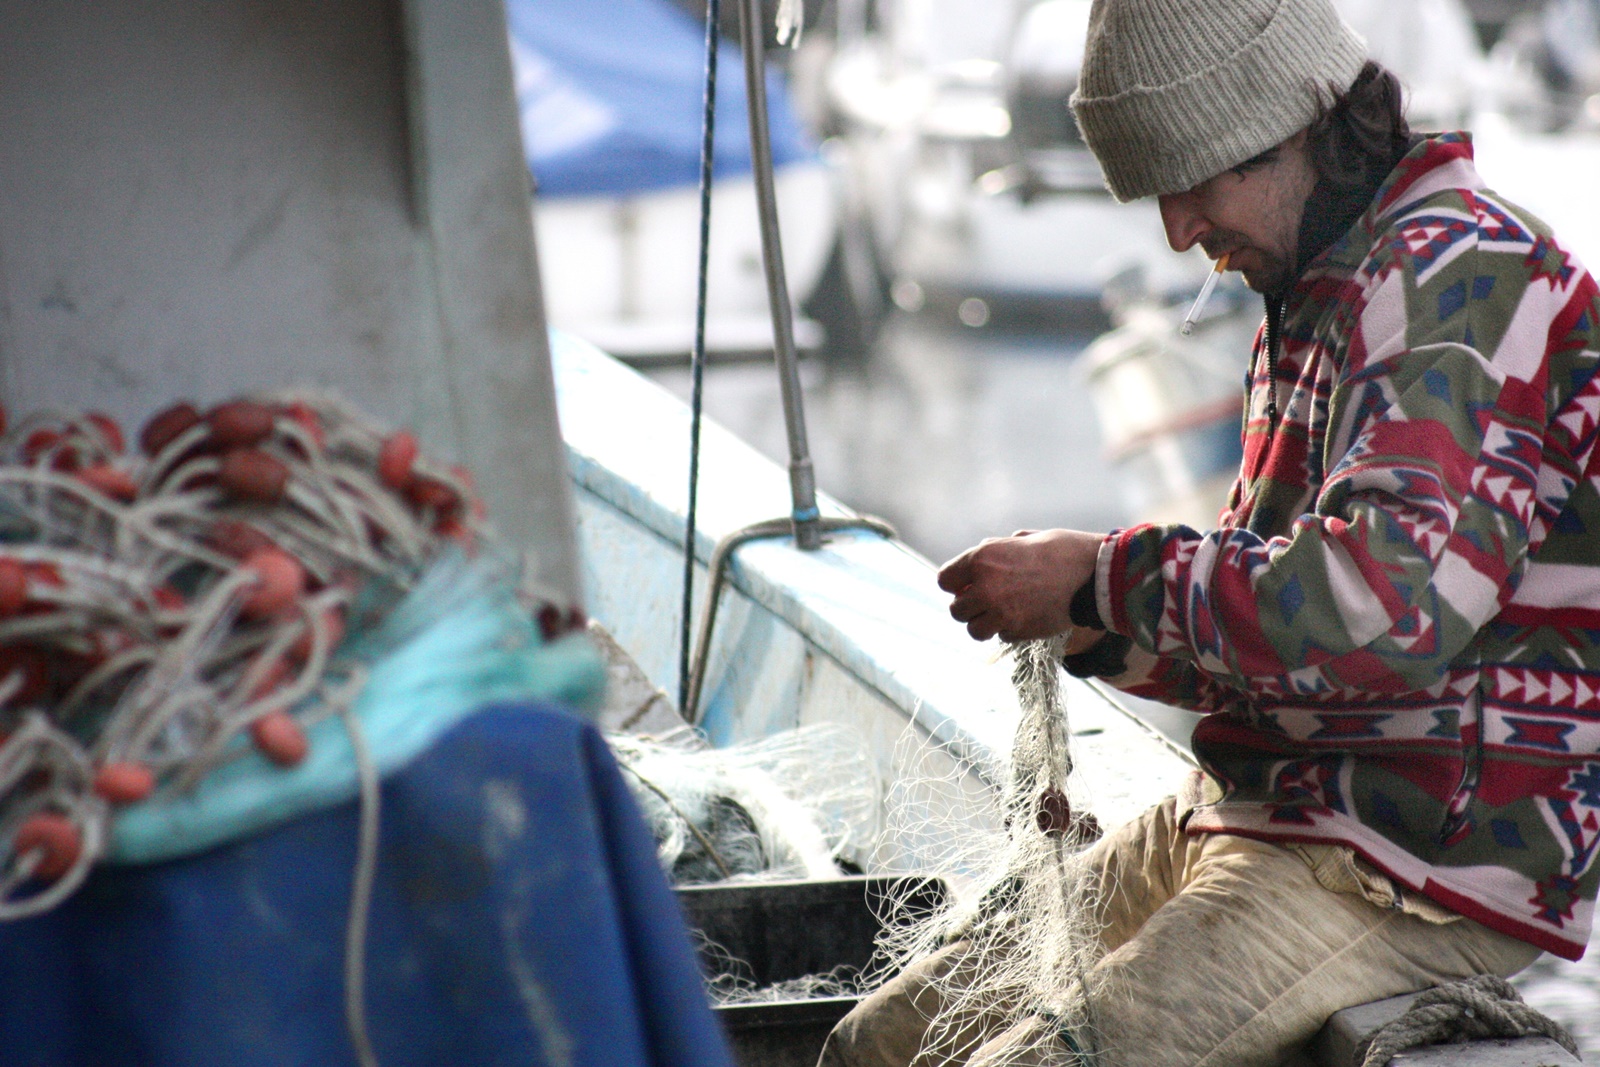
165	609
1024	934
791	805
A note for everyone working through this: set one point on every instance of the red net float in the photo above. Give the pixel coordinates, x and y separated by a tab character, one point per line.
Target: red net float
280	580
308	420
124	782
114	483
430	493
1054	815
13	587
166	427
280	738
240	423
37	443
397	457
254	476
110	433
236	539
29	666
55	838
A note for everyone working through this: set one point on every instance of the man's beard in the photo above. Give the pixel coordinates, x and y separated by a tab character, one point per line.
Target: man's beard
1269	274
1270	279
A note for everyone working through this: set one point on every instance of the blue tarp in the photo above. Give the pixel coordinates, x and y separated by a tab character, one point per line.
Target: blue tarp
611	93
518	918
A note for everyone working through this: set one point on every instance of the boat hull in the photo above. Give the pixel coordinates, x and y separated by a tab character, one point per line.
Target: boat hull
856	634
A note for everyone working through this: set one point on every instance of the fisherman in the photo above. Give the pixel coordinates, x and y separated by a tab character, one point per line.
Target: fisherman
1393	633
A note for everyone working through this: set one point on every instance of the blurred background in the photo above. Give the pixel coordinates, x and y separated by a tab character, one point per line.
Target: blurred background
990	342
990	339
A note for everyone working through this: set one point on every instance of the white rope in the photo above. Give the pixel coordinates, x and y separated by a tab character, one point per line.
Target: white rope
366	869
1483	1006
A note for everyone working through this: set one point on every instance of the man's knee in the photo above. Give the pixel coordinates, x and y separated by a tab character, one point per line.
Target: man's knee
840	1050
888	1027
916	1017
1033	1042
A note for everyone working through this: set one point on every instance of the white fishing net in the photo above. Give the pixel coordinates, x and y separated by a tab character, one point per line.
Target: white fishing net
785	806
167	607
1026	918
1008	836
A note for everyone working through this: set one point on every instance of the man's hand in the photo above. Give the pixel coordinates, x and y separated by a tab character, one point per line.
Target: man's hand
1019	587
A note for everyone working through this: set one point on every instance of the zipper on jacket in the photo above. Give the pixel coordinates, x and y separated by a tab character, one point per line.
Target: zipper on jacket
1457	822
1273	338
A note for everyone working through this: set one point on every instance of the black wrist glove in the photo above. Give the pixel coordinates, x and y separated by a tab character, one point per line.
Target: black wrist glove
1084	610
1107	656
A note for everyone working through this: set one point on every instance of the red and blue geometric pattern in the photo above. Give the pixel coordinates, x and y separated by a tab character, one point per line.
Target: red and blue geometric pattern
1400	617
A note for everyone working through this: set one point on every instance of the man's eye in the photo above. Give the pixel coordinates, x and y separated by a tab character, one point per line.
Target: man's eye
1264	159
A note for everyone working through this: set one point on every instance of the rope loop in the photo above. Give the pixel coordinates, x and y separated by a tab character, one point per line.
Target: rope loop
1483	1006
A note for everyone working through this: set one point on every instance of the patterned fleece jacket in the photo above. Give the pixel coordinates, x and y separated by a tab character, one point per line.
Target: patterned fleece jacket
1396	626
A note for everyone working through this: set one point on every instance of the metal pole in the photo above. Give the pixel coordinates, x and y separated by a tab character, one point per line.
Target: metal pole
802	478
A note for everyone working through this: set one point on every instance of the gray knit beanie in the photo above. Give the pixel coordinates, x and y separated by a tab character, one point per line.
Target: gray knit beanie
1173	92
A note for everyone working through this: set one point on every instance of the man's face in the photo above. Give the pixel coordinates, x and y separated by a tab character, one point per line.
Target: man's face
1251	214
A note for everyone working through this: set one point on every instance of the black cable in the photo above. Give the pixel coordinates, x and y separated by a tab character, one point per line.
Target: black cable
697	360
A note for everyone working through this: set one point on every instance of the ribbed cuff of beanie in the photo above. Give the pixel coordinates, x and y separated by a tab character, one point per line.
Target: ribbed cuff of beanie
1167	138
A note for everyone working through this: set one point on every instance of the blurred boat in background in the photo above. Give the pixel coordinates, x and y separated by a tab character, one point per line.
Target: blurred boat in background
967	180
968	188
611	99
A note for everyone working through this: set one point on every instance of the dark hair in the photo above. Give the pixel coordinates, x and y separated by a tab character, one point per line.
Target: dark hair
1360	131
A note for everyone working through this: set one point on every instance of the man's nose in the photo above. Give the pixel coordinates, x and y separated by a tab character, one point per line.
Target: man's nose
1184	221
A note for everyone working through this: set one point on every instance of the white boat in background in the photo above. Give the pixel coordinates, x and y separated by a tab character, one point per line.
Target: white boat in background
626	281
1535	143
610	98
965	170
964	163
1537	130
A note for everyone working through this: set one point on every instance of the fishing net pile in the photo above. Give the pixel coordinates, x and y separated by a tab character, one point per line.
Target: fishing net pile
168	609
1026	926
793	805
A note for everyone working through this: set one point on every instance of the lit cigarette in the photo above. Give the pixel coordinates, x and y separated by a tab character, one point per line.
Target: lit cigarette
1205	294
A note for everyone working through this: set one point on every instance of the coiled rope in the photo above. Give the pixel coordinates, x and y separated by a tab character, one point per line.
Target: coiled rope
1483	1006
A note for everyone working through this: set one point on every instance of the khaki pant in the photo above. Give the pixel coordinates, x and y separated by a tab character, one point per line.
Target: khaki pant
1220	952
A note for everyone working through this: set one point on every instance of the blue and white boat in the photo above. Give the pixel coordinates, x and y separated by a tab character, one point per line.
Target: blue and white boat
339	199
609	97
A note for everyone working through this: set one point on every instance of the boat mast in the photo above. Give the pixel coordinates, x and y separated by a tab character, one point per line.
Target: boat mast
802	478
805	521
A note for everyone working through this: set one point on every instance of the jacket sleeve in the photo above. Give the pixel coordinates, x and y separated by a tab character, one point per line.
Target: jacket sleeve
1173	681
1118	662
1416	537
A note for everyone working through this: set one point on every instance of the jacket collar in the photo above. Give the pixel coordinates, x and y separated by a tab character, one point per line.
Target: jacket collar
1339	226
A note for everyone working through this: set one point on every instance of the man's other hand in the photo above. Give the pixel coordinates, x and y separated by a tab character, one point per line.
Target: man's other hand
1019	587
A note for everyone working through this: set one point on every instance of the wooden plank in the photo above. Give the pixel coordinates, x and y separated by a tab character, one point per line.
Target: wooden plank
1337	1042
